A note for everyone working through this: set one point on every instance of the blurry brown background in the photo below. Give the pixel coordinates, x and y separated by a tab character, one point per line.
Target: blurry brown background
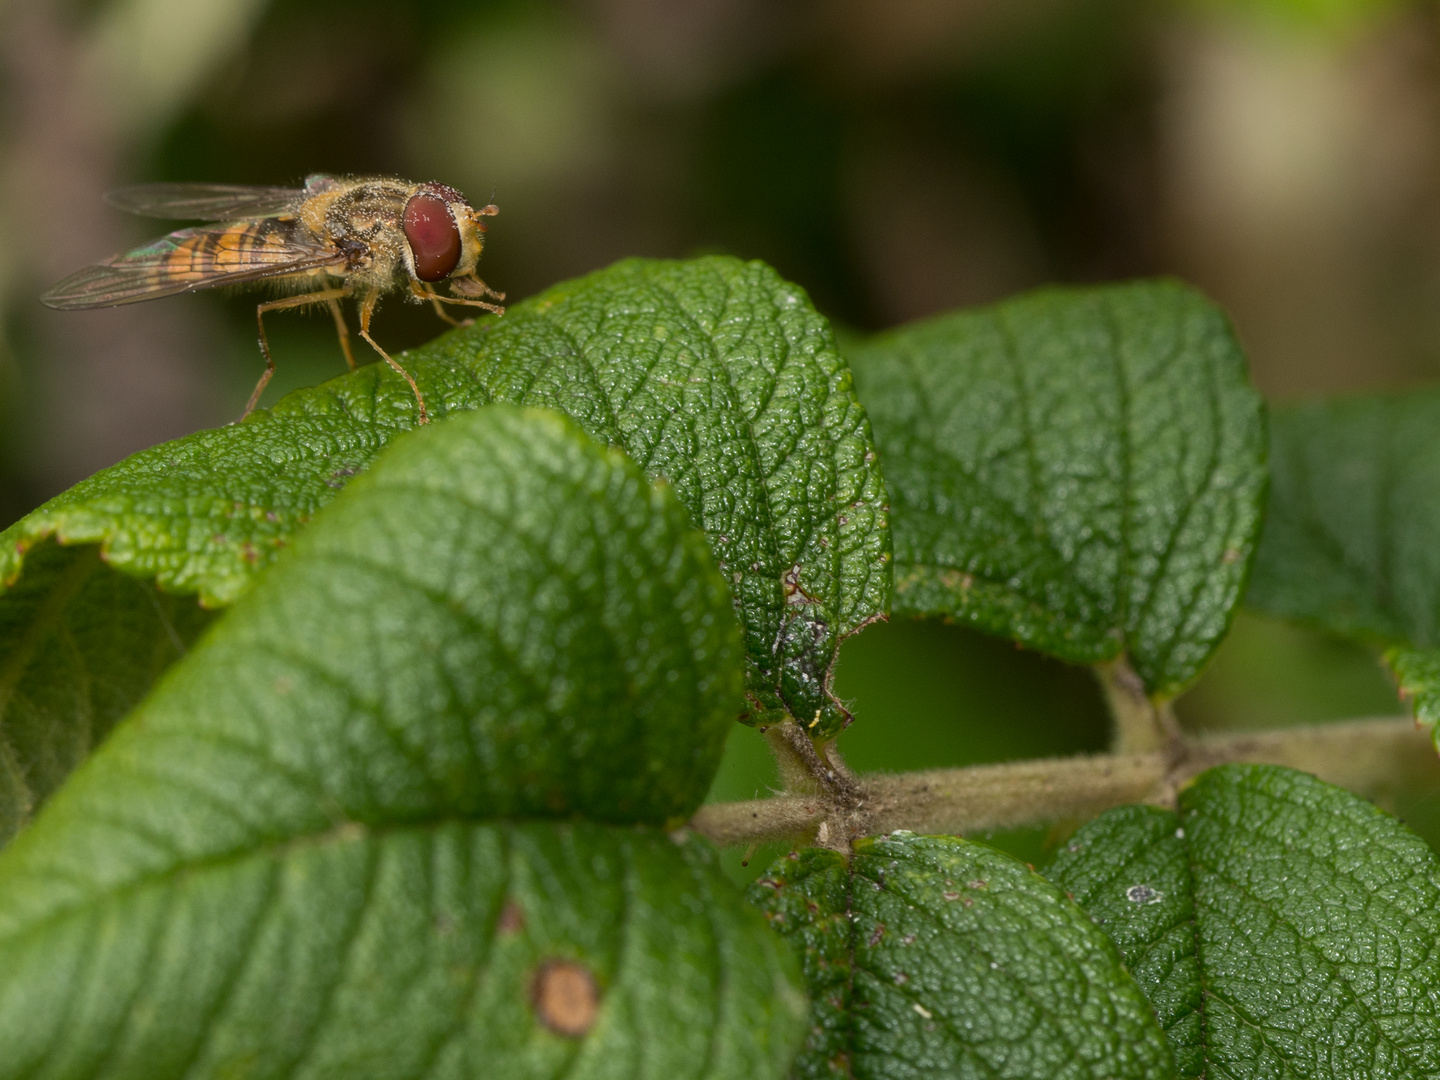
896	157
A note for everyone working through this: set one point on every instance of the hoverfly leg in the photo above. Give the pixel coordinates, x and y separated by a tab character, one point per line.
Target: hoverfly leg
342	331
445	316
448	317
496	308
269	366
367	309
486	290
330	295
471	285
429	294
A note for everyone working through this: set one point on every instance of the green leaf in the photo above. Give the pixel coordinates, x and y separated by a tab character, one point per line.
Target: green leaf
410	951
1349	541
1417	674
714	373
503	619
1129	868
276	865
1081	470
79	646
934	956
1281	926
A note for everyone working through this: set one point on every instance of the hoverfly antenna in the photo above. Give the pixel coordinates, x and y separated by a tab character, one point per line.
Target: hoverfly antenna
489	210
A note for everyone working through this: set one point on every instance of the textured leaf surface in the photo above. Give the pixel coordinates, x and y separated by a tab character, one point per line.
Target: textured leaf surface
716	374
934	956
1081	470
506	619
1349	542
1281	926
278	866
79	646
1130	869
412	951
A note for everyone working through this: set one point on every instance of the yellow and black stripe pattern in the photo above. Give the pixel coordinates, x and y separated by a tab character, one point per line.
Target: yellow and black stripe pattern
199	258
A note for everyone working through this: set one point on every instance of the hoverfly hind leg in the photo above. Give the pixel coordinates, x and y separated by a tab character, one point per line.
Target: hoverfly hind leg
328	295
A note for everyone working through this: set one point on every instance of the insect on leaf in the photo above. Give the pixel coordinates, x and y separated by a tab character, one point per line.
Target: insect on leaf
714	374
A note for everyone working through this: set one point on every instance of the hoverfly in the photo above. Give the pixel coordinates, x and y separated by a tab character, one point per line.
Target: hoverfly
333	238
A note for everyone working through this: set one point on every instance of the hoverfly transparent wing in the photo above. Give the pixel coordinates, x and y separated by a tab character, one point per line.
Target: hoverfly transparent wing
199	258
205	202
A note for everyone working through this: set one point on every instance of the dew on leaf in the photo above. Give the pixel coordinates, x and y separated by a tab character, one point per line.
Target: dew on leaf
1143	894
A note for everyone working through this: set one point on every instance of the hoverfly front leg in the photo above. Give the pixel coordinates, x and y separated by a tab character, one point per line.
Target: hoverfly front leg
429	294
496	308
485	290
471	285
367	309
445	316
329	295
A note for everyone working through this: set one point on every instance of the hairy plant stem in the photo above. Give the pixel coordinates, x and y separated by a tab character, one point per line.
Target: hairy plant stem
1375	758
1140	725
818	773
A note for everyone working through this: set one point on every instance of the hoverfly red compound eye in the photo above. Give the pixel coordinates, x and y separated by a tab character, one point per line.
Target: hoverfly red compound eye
433	237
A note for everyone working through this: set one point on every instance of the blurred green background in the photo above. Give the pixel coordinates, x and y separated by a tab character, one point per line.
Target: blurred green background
895	157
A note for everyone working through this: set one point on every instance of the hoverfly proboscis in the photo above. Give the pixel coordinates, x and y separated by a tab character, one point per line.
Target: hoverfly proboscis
332	239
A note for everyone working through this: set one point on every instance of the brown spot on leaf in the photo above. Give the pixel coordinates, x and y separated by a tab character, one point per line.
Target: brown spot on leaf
565	998
512	919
